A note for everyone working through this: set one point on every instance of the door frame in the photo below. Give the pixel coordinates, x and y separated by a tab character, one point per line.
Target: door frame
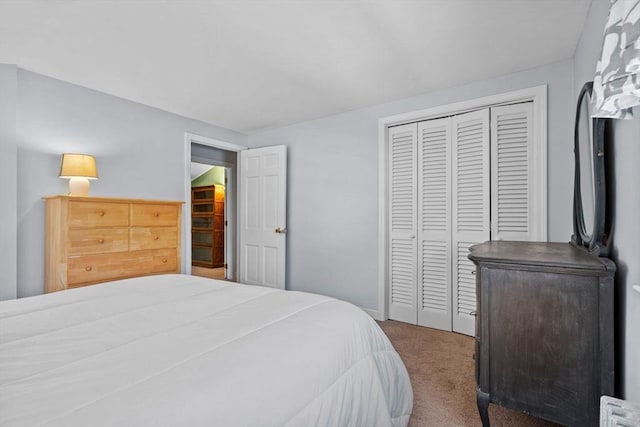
231	245
537	94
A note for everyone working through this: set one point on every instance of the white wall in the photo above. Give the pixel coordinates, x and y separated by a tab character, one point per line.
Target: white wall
8	181
139	151
333	182
626	205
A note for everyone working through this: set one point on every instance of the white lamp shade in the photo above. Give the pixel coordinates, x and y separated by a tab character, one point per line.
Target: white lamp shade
78	165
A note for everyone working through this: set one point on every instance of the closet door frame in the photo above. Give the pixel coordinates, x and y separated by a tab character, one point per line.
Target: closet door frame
536	94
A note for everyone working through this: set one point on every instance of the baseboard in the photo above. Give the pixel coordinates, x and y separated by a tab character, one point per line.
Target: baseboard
374	313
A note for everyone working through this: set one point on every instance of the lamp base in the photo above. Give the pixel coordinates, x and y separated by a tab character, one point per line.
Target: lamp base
78	187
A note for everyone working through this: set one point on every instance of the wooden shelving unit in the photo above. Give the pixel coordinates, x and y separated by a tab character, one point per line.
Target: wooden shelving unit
207	226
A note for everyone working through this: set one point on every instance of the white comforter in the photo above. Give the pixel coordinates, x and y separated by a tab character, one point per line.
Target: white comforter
179	350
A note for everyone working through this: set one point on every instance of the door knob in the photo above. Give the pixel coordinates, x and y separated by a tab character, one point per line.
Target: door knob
281	230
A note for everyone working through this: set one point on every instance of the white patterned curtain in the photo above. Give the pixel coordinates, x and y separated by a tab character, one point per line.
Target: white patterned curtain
616	86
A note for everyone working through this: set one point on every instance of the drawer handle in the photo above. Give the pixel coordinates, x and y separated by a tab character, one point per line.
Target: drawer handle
164	260
101	213
156	214
473	313
88	268
100	240
155	237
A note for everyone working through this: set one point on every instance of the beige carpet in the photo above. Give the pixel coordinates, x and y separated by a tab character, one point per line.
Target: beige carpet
441	369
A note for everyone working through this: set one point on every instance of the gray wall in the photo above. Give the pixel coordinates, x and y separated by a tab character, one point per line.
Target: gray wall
333	182
139	151
8	181
205	154
626	205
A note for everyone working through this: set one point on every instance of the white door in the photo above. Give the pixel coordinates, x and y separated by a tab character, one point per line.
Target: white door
263	181
434	223
514	215
402	214
471	216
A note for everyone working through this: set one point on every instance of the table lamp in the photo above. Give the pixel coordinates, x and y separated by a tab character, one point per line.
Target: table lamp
79	168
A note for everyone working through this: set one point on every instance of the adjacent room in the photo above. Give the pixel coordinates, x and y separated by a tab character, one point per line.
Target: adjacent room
208	198
320	213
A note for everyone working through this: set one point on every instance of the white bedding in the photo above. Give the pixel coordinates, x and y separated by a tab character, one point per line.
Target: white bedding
178	350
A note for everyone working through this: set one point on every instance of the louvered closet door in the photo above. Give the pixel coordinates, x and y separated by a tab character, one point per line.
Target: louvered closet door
434	224
512	177
402	214
471	213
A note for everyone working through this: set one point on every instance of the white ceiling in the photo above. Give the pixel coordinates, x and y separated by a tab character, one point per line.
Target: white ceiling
249	65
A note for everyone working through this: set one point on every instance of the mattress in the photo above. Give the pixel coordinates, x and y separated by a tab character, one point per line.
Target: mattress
177	350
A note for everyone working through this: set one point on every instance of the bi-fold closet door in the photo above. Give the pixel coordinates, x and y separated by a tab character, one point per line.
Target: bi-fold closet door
450	180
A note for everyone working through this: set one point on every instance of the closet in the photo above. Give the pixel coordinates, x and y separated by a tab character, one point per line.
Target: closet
454	182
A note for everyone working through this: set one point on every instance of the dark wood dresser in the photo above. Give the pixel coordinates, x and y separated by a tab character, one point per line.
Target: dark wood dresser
544	330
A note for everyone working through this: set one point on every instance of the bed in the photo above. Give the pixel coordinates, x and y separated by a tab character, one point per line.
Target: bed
178	350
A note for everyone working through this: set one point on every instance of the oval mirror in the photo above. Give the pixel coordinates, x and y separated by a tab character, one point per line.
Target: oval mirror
589	181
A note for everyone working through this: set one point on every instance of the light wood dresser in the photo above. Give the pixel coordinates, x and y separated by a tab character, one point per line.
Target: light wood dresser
90	240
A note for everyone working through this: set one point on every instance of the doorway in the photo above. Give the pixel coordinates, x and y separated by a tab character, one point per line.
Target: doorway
208	220
255	242
220	158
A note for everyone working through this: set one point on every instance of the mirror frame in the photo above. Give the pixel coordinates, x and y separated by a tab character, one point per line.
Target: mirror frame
595	240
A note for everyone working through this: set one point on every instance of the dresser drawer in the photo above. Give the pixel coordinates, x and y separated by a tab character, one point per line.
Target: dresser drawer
97	214
162	261
153	238
97	240
104	267
96	268
153	214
